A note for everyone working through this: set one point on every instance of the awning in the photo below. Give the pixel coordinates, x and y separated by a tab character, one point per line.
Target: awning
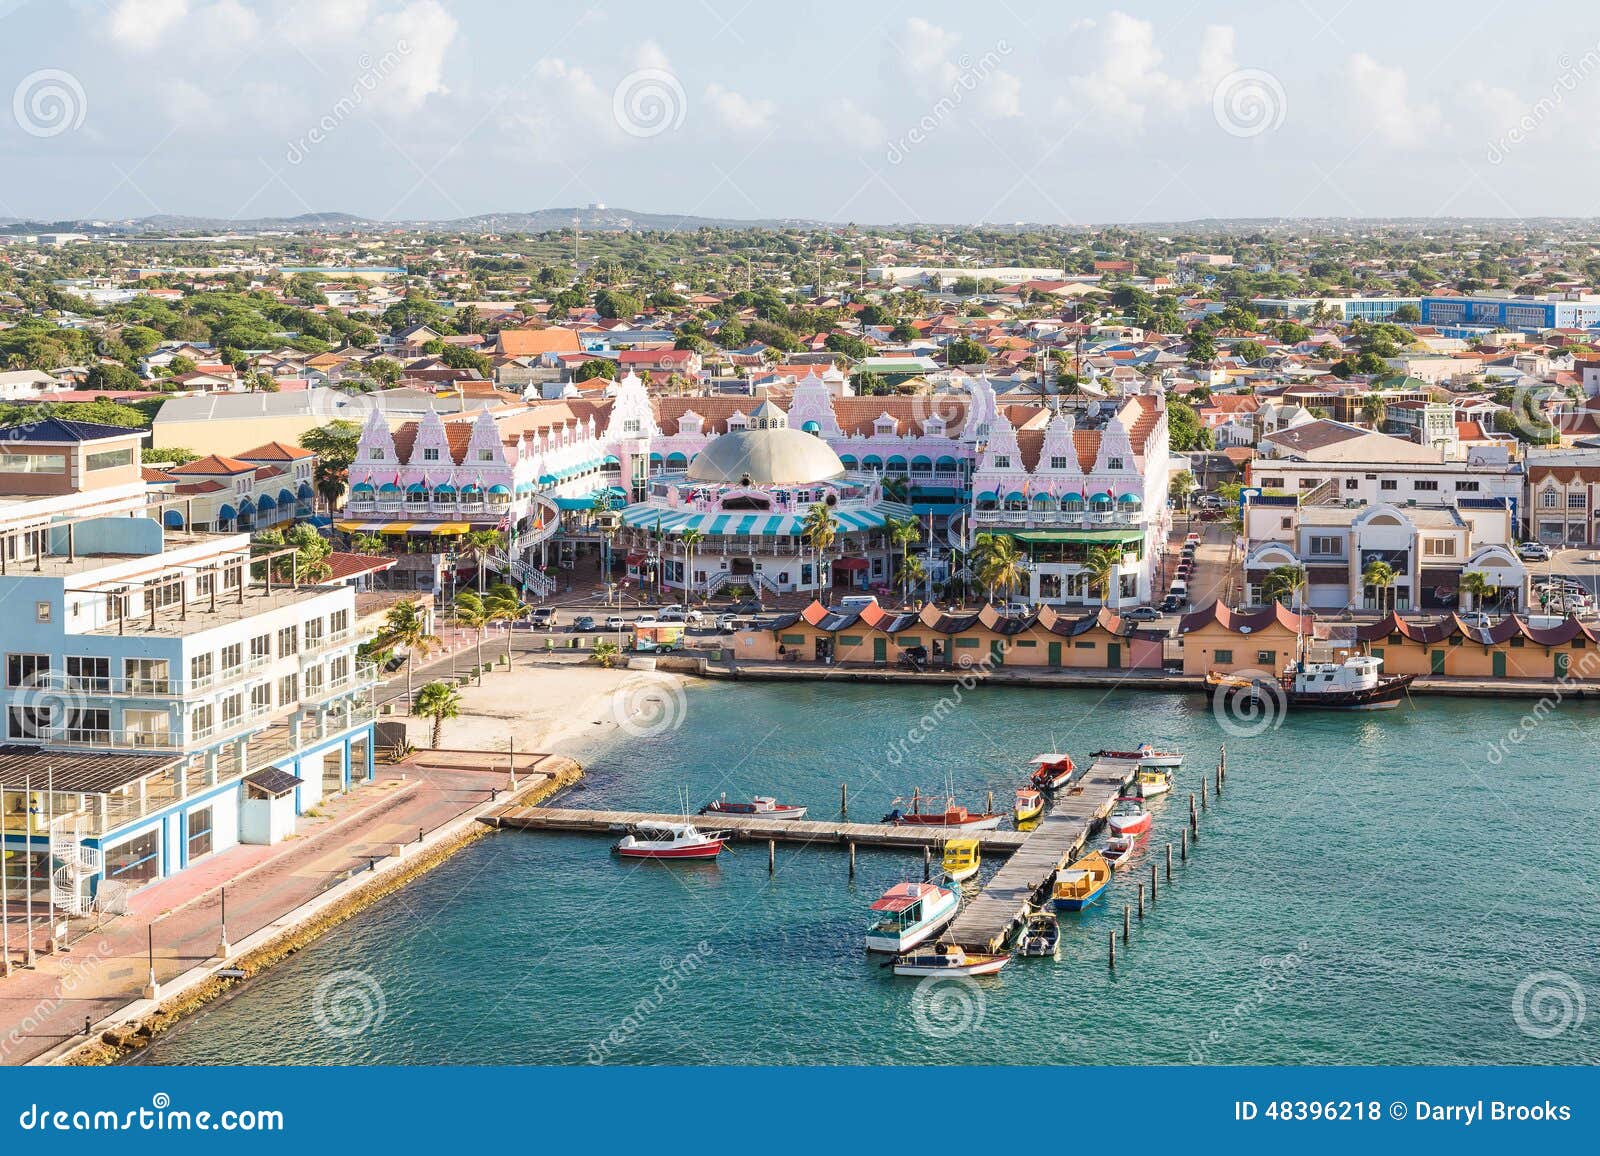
447	528
851	564
360	527
1078	537
394	527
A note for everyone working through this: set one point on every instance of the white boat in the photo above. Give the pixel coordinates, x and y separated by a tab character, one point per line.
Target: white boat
947	959
761	807
1042	936
1146	756
1153	781
911	913
670	841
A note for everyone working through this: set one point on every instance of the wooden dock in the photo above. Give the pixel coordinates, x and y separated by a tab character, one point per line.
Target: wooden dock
756	828
985	923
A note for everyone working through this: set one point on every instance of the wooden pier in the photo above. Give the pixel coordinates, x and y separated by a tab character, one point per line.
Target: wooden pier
985	923
756	828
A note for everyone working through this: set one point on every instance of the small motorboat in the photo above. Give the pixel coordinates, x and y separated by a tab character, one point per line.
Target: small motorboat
1051	772
910	913
1029	805
1153	781
951	816
1146	756
1120	848
670	841
762	806
1081	883
1129	817
961	859
948	959
1041	937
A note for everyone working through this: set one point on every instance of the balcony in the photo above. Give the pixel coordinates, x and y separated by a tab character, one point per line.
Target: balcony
1060	519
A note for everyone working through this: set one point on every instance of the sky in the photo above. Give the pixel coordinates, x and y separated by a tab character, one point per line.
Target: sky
996	112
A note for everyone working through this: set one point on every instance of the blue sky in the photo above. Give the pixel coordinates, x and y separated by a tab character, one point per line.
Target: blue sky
887	112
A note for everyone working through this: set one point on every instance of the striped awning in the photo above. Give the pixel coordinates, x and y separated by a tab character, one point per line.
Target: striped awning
753	524
394	527
447	528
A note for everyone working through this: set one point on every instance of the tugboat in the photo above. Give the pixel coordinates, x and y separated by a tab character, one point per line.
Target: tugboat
1357	683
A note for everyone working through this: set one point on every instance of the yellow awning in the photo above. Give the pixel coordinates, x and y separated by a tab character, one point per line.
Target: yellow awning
396	528
349	527
452	528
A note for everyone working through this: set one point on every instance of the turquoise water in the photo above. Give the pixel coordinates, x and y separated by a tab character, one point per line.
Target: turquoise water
1371	889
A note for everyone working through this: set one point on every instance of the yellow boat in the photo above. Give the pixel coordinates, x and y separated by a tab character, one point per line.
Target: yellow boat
961	859
1081	883
1029	805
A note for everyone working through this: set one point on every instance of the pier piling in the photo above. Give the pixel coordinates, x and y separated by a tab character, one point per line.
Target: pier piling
1202	792
1194	818
1127	923
772	856
1169	862
1183	844
852	860
1155	886
1111	943
844	800
1141	901
1219	780
927	864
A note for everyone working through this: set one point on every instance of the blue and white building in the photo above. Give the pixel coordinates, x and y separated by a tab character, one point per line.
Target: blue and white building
1529	314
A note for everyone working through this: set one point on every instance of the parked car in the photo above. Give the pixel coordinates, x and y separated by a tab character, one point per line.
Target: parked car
1143	614
584	622
727	622
1533	551
1016	609
614	622
694	617
542	616
673	613
1171	604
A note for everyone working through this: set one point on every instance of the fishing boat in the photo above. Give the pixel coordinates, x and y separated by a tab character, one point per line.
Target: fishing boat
1357	683
1120	848
961	859
1029	805
1081	883
670	841
1051	772
910	913
1146	756
762	806
1041	937
1153	781
948	959
1129	817
951	816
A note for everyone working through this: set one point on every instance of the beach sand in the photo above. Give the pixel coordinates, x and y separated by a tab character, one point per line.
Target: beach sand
564	709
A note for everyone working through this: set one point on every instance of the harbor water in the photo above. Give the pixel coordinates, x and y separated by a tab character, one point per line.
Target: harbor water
1411	886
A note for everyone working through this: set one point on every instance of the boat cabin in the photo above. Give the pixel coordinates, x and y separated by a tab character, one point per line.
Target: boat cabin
959	854
900	908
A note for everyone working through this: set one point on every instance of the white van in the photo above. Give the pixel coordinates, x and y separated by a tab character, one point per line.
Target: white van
857	602
1179	589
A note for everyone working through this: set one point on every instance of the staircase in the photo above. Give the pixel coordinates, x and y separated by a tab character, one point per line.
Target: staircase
761	582
1327	493
532	581
79	864
716	582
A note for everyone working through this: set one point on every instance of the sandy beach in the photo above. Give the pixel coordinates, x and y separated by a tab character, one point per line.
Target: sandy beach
563	709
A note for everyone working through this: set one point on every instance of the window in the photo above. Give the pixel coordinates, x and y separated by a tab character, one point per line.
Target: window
261	698
1310	483
27	669
1350	483
28	722
1438	548
232	709
232	657
260	648
202	719
87	726
1325	545
631	425
288	641
1388	484
109	459
232	577
203	584
375	455
339	670
1002	461
338	622
1272	483
1058	463
1267	658
1113	463
201	669
137	860
146	675
313	633
289	690
93	674
199	832
430	455
1549	500
486	455
1425	485
1466	487
1224	656
33	463
314	683
1577	500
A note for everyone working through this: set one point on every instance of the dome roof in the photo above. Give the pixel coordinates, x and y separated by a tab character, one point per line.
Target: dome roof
766	457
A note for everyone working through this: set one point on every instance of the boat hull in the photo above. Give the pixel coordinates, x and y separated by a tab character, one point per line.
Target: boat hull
754	812
1078	903
702	851
1137	825
911	936
1385	696
974	823
985	966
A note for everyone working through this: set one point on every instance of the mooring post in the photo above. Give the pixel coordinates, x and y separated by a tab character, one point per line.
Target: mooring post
844	800
1219	780
772	856
1183	843
1111	942
927	864
991	803
1155	886
1126	923
1202	792
1169	862
1141	901
1194	816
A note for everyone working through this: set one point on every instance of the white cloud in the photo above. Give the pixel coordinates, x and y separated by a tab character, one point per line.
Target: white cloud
1000	94
926	51
226	26
1129	81
1381	98
189	107
739	113
854	125
140	25
420	34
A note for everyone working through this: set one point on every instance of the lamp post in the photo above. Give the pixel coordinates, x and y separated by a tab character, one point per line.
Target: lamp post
224	948
152	989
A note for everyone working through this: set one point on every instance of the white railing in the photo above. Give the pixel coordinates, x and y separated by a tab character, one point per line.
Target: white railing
78	864
716	582
762	582
1038	519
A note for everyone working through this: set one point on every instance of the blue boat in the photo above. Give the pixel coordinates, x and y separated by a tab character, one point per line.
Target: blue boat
1081	883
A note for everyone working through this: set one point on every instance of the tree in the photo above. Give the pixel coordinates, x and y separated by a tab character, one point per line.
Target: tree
367	544
911	575
476	547
1475	585
460	357
113	377
1100	565
904	533
505	604
614	304
819	528
473	614
1374	409
852	347
965	351
335	445
1002	565
596	367
1179	486
383	370
310	560
1408	313
1184	430
606	652
1381	577
406	624
690	539
438	701
1284	583
1202	350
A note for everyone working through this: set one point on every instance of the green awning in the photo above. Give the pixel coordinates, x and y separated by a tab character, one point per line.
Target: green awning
1076	537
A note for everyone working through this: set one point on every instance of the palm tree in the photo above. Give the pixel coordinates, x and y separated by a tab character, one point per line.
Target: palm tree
471	612
1100	564
690	539
1475	584
912	575
1381	576
1284	583
978	560
1178	487
505	604
438	701
1005	565
406	624
819	528
904	533
478	545
606	652
1374	409
367	544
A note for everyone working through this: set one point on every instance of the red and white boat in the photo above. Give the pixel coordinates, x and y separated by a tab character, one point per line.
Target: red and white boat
1146	756
670	841
951	816
1120	848
762	806
1129	817
1051	772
